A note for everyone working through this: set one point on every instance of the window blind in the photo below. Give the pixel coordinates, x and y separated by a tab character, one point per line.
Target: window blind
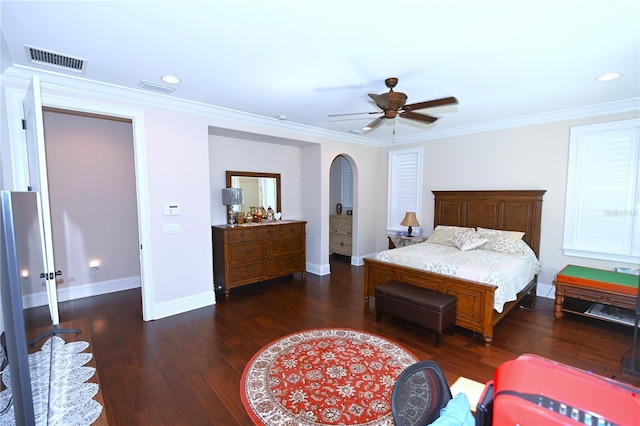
602	218
405	176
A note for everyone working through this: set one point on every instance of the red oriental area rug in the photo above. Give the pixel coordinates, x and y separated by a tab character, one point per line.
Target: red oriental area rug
324	377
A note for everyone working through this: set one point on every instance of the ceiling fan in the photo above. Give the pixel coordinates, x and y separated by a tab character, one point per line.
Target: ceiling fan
393	105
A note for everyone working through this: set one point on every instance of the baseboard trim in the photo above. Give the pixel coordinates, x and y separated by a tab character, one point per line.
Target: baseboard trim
547	291
184	304
81	291
317	269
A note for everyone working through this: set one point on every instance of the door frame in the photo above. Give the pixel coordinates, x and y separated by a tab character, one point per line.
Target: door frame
20	167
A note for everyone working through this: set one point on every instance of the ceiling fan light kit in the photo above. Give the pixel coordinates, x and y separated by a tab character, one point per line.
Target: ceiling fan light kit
393	105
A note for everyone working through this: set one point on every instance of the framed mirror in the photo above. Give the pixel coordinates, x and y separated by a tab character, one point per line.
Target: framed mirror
258	189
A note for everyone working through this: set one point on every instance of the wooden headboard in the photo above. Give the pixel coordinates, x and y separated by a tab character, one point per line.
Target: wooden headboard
505	210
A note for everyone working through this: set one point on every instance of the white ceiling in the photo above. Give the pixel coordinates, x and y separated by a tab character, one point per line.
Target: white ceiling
309	59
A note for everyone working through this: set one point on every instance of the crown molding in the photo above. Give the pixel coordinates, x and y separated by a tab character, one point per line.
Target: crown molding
78	86
627	105
52	82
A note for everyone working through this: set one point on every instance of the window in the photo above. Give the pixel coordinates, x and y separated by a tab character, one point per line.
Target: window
602	217
347	184
405	177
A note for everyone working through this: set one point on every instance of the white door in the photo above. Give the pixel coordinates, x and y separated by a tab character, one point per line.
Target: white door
34	127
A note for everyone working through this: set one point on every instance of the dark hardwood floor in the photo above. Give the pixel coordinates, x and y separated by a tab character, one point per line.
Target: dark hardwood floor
185	369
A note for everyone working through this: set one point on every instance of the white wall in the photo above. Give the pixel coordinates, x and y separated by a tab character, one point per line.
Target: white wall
172	167
530	157
228	153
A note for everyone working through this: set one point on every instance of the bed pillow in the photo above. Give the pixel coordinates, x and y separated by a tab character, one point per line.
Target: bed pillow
443	233
500	233
467	240
493	235
511	246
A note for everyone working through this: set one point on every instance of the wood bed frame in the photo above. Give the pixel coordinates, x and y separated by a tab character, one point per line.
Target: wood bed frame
506	210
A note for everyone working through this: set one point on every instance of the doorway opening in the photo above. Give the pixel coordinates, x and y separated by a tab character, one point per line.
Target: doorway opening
341	202
93	202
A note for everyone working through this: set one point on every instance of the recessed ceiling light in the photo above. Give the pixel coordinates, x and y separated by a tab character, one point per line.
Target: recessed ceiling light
282	117
171	79
366	128
609	76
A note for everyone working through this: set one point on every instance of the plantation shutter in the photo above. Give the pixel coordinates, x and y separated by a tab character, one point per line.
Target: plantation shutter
602	215
347	184
405	176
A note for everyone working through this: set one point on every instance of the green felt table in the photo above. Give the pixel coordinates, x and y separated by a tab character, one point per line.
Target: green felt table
592	276
595	285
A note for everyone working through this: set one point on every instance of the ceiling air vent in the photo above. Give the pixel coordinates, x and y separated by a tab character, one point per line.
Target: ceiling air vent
55	60
147	85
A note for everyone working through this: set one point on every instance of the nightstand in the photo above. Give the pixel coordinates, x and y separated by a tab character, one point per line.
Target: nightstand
396	241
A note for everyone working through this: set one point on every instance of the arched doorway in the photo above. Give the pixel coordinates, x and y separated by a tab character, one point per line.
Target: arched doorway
341	205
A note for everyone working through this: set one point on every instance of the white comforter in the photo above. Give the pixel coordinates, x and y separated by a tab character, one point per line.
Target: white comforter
510	272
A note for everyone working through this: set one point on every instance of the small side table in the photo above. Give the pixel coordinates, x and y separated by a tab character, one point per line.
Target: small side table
396	241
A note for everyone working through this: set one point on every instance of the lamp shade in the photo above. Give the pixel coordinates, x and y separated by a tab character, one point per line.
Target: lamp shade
410	219
232	196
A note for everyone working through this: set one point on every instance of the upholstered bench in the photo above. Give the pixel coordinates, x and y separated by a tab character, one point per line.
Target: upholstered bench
430	309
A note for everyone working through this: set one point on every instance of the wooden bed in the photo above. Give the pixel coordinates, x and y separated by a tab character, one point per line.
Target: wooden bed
506	210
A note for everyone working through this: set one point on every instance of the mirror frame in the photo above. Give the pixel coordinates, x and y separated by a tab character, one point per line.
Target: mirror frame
276	176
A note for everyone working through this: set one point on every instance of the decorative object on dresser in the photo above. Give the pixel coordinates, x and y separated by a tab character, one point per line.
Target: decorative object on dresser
251	253
410	220
231	197
340	234
517	210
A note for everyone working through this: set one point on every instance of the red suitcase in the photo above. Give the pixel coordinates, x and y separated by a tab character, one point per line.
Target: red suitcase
532	390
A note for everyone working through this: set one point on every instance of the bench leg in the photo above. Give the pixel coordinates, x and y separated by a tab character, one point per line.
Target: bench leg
438	339
378	316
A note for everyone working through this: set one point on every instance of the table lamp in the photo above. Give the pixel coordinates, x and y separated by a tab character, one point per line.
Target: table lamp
231	197
410	220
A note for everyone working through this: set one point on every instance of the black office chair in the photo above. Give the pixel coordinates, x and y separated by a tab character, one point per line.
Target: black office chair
419	394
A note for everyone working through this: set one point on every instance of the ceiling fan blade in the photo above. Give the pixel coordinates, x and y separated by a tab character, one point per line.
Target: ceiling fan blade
354	113
380	100
419	117
375	123
430	104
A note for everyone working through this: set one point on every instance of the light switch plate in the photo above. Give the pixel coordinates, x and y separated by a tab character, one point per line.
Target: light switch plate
171	228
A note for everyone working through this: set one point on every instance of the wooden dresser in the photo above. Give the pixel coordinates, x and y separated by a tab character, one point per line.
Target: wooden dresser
252	253
340	234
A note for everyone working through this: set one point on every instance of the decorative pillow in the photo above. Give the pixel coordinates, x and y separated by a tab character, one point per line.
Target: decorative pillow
443	233
467	240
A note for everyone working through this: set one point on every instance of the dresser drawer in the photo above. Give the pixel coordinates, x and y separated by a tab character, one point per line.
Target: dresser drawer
286	245
344	249
341	228
249	272
291	229
341	218
267	232
245	251
287	264
238	235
